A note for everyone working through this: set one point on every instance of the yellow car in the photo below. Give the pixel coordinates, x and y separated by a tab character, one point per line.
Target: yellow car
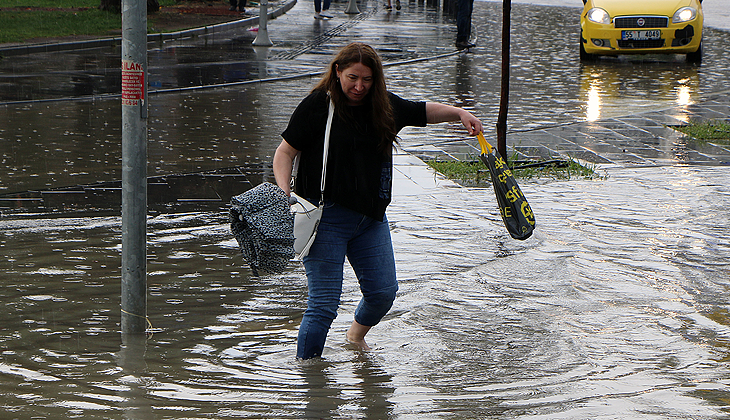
611	27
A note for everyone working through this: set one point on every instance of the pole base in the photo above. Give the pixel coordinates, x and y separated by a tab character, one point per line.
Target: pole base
262	39
352	8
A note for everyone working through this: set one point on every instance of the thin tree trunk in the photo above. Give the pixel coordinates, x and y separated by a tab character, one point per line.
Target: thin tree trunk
504	99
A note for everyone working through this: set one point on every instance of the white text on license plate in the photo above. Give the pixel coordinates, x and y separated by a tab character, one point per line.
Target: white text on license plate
640	35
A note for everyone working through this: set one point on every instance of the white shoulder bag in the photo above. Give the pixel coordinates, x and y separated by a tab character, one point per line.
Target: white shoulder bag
306	214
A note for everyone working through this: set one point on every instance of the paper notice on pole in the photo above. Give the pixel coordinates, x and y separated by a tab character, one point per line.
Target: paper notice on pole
132	83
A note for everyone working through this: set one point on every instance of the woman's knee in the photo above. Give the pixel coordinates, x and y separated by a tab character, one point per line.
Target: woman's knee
384	296
375	305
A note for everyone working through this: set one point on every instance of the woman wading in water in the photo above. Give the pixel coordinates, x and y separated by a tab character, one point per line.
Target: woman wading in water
358	187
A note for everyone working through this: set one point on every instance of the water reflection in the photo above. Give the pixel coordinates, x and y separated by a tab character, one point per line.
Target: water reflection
632	87
132	385
356	388
593	102
685	93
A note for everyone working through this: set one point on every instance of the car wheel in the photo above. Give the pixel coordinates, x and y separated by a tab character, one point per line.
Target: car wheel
584	56
695	57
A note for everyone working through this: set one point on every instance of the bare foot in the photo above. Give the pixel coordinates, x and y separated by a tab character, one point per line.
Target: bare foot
359	344
356	335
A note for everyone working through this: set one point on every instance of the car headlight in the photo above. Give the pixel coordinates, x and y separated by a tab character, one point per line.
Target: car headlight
599	16
684	14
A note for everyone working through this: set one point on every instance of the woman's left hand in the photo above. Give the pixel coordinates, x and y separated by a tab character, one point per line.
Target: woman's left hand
473	124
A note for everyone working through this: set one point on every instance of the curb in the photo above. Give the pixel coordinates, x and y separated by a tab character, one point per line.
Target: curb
156	37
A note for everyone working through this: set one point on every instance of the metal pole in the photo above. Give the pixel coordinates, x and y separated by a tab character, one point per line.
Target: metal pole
504	99
262	38
134	166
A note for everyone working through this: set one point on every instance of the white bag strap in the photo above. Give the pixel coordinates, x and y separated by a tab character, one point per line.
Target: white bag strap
326	146
294	170
295	166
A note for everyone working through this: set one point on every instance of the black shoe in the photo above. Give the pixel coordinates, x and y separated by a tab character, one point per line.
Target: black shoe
461	45
232	8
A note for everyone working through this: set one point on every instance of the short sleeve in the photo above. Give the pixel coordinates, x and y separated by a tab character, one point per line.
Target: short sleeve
307	123
408	113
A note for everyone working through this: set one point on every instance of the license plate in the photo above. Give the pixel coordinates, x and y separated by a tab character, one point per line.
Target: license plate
640	35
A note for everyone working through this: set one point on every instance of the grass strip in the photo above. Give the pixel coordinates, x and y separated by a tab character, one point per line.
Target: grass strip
19	26
50	3
23	20
716	130
474	173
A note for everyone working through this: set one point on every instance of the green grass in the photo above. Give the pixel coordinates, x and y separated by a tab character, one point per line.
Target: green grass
707	130
475	172
568	169
22	25
457	170
65	3
49	3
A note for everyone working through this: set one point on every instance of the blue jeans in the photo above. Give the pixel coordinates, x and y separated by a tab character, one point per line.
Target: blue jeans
367	245
318	5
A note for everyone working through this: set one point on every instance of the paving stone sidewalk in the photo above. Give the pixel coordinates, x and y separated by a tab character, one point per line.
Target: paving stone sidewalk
644	139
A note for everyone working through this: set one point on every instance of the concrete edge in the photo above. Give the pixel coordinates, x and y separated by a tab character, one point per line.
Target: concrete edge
156	37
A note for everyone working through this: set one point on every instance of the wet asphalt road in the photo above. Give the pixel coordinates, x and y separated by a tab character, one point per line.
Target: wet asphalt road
543	52
61	118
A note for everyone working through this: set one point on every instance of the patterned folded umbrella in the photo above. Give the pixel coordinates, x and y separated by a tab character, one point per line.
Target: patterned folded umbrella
262	223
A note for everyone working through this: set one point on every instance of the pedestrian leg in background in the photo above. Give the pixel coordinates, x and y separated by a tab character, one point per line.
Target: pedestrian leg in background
318	9
463	24
240	4
325	8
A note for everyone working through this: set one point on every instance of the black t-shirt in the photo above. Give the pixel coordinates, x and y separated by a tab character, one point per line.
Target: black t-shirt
359	176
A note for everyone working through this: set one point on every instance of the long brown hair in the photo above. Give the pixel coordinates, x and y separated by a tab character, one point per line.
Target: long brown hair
377	97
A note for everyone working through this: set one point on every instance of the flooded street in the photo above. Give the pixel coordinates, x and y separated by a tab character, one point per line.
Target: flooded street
616	307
